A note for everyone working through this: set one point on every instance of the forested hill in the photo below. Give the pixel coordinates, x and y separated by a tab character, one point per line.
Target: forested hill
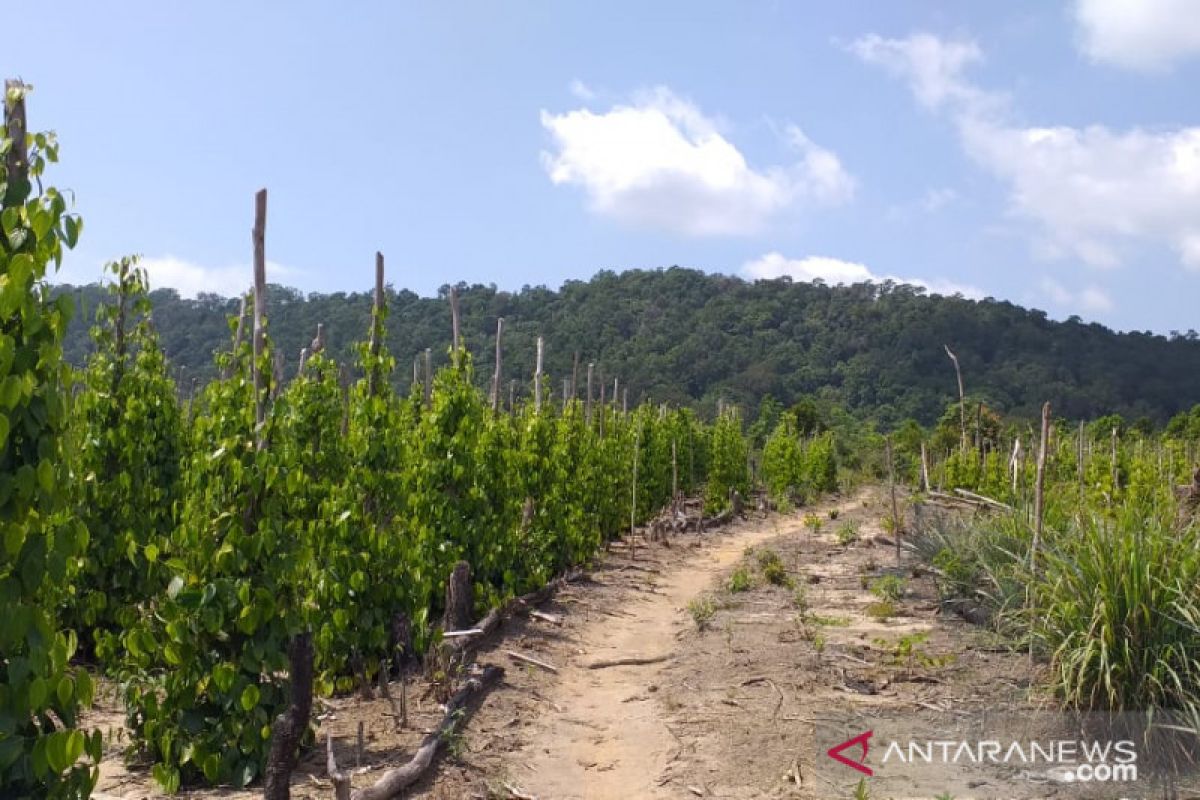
690	337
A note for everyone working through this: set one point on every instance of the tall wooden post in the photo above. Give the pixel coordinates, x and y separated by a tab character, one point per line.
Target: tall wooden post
496	374
924	469
259	236
537	378
600	409
587	406
1038	489
454	323
16	160
377	310
1116	475
892	487
962	400
575	376
428	385
637	445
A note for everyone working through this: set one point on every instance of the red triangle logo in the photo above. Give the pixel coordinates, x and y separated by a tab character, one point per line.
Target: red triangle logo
862	740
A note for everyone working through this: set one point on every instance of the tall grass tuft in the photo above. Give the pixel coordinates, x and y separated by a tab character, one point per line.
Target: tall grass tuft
1116	607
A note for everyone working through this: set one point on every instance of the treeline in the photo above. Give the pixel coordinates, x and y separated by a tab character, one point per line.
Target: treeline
693	339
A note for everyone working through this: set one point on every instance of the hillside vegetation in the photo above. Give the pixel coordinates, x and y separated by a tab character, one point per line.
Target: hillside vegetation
688	338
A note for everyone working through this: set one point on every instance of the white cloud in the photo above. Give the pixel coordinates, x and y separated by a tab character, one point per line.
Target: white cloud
1090	298
933	66
836	271
1144	35
190	279
661	163
1092	192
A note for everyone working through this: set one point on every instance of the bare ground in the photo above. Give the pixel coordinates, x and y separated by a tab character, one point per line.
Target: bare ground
727	712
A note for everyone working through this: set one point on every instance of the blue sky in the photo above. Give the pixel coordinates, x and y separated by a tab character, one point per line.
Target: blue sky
1046	154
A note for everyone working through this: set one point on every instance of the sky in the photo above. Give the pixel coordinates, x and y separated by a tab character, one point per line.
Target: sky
1047	154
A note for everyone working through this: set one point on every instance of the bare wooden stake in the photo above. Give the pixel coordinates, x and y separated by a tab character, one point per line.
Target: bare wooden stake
637	446
459	598
962	399
566	391
512	394
537	378
1116	475
924	469
892	487
616	383
454	318
600	409
428	386
625	401
575	376
1038	487
377	311
587	405
496	375
259	237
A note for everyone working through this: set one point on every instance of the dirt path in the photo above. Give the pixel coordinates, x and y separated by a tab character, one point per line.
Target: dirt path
608	744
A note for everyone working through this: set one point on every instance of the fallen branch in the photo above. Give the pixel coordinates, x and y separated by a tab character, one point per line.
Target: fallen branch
492	620
631	661
985	500
517	794
553	619
515	656
396	780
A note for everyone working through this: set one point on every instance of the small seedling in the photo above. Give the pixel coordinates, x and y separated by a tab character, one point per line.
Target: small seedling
813	523
702	609
740	580
881	610
890	588
800	600
847	534
833	513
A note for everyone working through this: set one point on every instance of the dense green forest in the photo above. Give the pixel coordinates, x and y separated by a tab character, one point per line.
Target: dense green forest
691	338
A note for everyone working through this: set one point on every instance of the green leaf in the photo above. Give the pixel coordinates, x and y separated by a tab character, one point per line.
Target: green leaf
249	697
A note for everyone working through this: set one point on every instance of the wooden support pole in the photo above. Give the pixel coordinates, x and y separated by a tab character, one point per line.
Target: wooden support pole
575	376
1116	474
16	160
1039	509
962	399
496	375
616	383
600	409
454	321
637	448
924	469
892	487
259	236
625	401
587	406
428	385
377	312
512	394
537	378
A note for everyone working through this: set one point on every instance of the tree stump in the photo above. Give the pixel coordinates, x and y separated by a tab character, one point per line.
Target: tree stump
459	600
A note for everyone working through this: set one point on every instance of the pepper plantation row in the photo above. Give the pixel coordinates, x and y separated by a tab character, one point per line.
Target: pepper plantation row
206	552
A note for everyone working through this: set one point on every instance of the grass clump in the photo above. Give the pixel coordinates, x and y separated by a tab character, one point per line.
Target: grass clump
702	609
847	533
740	580
889	588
